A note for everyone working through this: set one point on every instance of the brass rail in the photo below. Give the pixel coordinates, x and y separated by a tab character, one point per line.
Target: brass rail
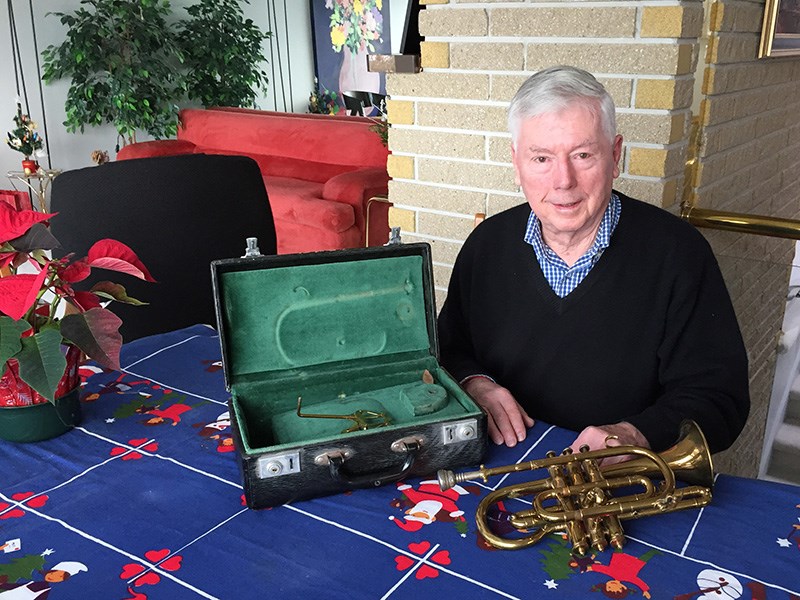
741	223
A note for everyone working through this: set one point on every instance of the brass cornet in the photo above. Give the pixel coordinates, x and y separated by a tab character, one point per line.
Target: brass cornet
580	491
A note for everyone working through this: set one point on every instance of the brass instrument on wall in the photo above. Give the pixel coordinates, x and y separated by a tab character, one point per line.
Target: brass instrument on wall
580	491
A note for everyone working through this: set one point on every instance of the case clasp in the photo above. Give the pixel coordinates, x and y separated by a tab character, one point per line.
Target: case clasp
460	431
325	457
278	464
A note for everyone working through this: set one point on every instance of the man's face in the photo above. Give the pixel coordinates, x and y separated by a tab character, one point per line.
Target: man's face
566	164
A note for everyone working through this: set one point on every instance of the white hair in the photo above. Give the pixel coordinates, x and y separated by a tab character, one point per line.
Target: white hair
556	88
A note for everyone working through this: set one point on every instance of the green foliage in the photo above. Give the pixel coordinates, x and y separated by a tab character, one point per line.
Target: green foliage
123	60
322	101
21	569
222	54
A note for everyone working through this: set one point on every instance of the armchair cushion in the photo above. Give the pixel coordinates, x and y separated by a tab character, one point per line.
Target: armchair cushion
156	148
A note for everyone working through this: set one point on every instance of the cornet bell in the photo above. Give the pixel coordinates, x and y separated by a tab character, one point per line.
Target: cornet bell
578	495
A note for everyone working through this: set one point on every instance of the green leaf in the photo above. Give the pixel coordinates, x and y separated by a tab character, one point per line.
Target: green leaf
96	332
10	333
41	362
115	291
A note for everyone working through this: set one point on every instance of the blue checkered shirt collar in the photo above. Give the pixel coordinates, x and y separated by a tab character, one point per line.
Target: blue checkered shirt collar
562	278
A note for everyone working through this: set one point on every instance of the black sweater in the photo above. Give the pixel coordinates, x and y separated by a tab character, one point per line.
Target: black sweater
648	337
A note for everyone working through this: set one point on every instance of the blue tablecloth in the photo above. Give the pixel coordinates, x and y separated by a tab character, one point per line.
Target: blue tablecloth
144	501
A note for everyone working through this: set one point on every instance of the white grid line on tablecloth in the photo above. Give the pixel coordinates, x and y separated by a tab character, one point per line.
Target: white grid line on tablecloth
694	526
708	563
107	545
160	350
141	450
420	561
381	542
197	539
127	369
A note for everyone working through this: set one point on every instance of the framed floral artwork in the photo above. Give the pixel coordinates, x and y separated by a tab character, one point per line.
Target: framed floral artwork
780	34
344	33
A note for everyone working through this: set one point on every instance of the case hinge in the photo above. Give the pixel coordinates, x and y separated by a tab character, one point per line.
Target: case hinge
275	465
460	431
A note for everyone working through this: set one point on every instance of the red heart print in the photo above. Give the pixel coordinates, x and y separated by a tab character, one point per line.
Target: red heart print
442	557
4	505
135	595
403	562
151	447
419	547
20	496
147	579
137	441
426	571
13	514
118	450
132	456
173	563
130	570
156	555
38	501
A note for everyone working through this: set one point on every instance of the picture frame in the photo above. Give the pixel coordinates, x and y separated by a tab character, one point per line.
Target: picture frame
340	63
780	33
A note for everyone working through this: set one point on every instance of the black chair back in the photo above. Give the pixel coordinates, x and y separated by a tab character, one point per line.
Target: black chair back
177	213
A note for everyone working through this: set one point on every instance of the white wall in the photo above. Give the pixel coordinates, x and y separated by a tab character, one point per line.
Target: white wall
73	150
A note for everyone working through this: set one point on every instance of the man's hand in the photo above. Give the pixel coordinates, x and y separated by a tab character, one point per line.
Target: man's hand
508	421
617	434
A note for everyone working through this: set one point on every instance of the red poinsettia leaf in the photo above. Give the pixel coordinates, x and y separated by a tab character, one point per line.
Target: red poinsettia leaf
18	293
116	256
14	223
77	271
86	300
6	258
115	291
96	332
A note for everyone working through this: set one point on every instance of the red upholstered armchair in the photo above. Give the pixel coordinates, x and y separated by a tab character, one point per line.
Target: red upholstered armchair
320	171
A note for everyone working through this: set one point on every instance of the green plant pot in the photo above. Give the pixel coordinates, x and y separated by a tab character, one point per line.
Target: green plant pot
39	422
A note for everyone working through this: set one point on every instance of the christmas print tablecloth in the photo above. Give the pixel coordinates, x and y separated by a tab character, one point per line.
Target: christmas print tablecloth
144	501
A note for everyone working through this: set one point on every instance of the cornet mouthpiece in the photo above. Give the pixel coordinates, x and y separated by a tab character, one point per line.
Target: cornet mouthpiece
447	479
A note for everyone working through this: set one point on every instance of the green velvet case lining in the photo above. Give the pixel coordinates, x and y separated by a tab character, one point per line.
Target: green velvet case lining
264	409
289	318
345	336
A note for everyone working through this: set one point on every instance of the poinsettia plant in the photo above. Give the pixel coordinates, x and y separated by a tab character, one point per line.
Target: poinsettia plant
40	310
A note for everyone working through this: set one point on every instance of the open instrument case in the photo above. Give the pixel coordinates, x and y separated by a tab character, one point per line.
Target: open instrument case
347	334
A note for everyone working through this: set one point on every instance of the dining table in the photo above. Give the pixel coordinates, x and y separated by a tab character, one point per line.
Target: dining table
143	500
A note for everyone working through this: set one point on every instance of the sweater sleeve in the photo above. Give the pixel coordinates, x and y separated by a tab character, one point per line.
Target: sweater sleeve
702	359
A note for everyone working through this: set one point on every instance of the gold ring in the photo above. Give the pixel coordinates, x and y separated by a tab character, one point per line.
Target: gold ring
609	438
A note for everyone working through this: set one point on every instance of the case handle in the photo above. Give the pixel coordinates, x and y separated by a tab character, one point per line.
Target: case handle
339	473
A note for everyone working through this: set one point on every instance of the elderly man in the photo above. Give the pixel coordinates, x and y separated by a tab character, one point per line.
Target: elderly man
585	308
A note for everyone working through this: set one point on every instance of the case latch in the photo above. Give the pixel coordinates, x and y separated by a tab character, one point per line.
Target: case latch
252	248
325	457
278	464
460	431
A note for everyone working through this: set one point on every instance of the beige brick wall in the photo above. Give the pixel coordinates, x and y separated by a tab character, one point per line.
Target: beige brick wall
747	162
450	148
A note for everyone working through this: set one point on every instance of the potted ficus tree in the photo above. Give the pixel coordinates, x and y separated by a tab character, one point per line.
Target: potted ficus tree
123	61
46	326
131	62
222	54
